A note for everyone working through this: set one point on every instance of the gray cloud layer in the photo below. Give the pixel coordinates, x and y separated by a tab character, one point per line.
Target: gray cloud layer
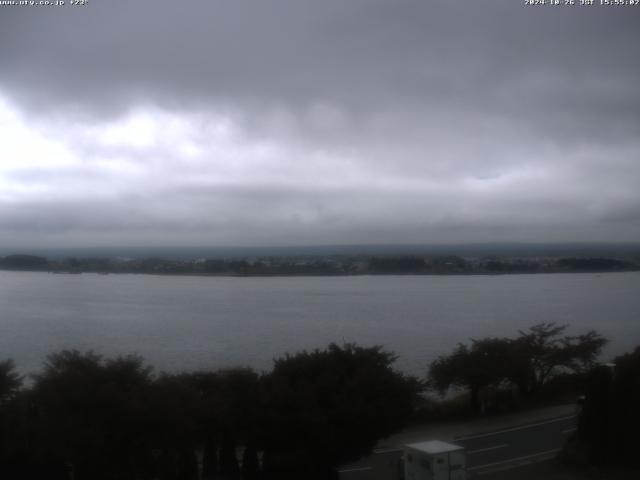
281	122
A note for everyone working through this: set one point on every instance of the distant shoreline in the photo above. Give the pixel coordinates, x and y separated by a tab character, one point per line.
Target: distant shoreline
301	275
324	265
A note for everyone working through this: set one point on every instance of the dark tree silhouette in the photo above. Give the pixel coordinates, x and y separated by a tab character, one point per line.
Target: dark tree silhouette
527	362
610	419
10	381
328	407
229	414
486	362
90	413
543	352
250	463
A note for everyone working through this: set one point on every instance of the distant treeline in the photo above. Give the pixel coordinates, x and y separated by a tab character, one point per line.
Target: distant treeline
323	265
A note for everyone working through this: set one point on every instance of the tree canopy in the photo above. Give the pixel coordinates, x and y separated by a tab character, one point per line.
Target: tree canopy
331	406
610	419
92	413
527	362
10	380
544	351
485	362
104	419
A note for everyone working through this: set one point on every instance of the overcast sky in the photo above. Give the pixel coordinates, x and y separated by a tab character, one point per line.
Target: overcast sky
297	122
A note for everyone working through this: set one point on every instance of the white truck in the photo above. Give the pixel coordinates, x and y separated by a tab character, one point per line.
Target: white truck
434	460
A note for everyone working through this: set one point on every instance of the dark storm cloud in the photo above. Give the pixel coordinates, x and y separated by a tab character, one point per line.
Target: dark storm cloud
357	121
356	52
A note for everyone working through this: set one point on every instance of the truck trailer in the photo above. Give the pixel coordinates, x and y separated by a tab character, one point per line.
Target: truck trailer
434	460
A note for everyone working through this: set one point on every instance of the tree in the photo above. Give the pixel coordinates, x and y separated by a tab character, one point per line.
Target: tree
486	362
625	410
228	414
92	413
329	407
610	419
595	417
250	463
527	362
543	353
11	420
10	381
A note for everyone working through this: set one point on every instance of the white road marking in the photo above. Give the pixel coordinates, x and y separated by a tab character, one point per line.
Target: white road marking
487	448
360	469
569	430
387	450
523	427
516	459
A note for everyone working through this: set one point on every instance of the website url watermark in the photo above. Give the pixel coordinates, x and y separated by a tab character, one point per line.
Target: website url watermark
43	3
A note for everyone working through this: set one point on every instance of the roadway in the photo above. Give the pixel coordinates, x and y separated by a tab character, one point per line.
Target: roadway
487	452
515	446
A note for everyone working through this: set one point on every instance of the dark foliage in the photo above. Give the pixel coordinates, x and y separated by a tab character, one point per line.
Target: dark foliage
398	265
332	406
93	418
527	362
91	413
610	419
326	264
10	381
593	264
542	353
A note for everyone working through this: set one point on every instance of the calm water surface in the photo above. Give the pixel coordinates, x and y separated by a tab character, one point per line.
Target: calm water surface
183	323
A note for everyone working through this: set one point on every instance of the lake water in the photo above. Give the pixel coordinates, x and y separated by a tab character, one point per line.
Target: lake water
186	323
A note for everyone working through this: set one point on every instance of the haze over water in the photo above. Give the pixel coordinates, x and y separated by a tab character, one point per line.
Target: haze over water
187	323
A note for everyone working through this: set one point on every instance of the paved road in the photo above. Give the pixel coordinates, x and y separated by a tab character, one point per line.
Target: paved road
486	452
514	446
